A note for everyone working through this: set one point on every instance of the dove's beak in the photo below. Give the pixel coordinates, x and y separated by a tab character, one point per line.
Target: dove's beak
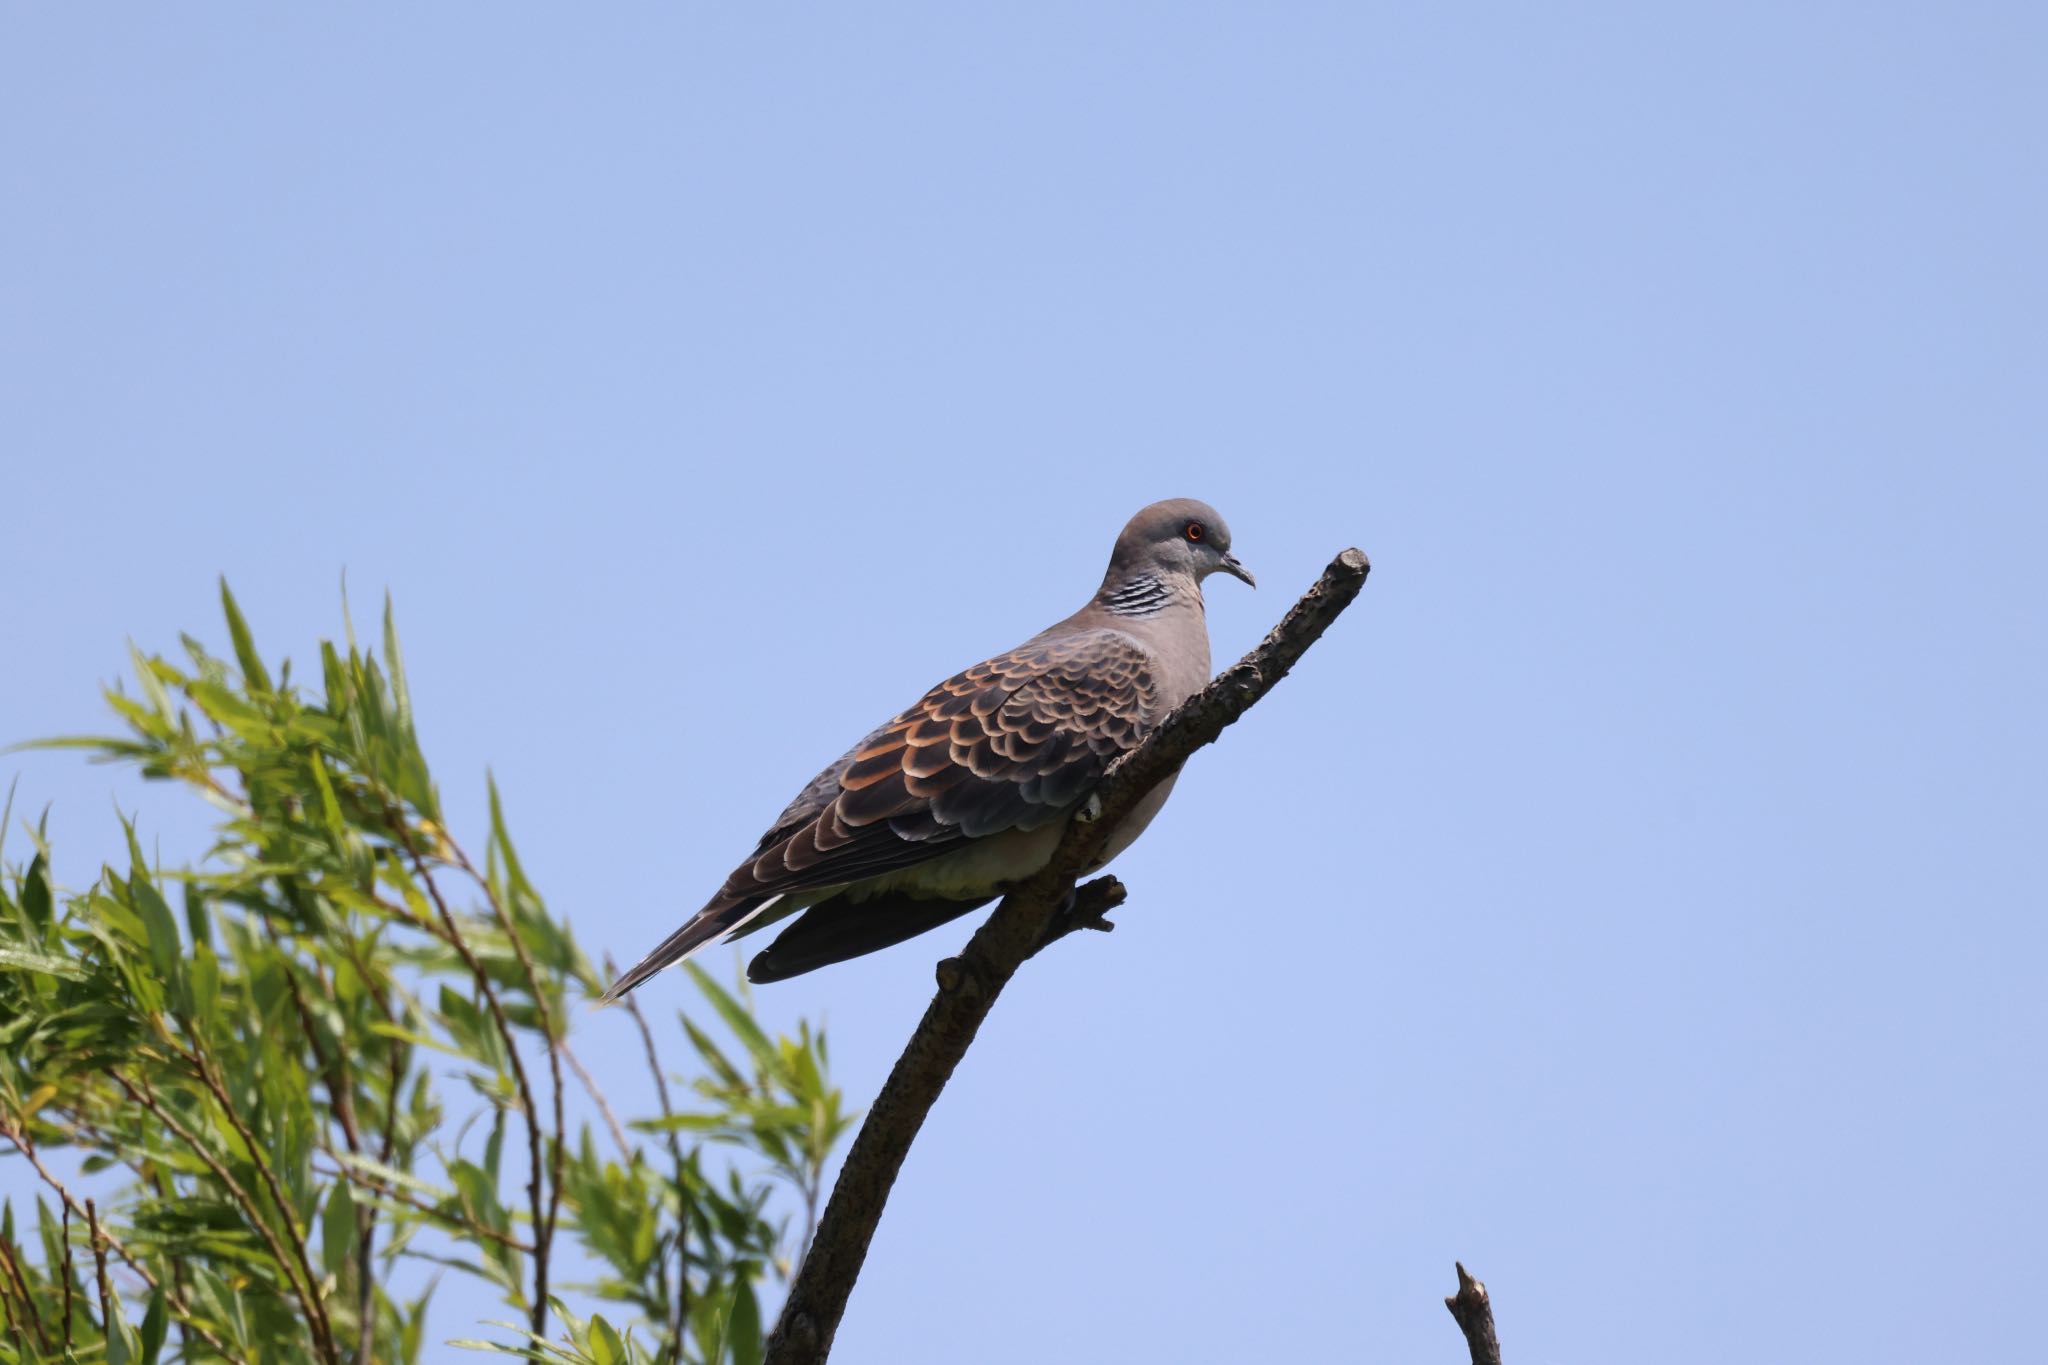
1239	571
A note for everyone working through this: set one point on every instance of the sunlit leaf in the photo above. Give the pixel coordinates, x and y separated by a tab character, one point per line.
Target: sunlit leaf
253	671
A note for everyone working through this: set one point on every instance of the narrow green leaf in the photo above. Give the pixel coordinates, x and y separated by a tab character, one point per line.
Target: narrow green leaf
479	1195
338	1229
197	919
712	1055
35	890
165	951
384	1030
205	978
494	1146
515	873
27	960
743	1330
683	1123
401	694
253	672
107	746
479	1344
154	1321
152	685
413	1332
330	807
391	1175
123	1346
228	707
737	1019
605	1346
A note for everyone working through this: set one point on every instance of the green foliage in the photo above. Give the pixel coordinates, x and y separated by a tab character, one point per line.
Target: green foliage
344	1053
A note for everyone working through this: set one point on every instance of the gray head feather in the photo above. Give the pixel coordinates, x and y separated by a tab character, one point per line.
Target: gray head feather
1180	537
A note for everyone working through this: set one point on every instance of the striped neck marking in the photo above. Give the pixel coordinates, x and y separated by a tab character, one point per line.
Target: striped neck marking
1145	595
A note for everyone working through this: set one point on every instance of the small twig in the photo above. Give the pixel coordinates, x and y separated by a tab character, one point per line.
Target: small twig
341	1101
209	1076
678	1309
76	1126
307	1291
366	1301
166	1189
543	1236
1086	910
604	1107
412	1201
17	1286
99	1259
340	1097
11	1319
65	1209
1474	1312
969	983
538	1311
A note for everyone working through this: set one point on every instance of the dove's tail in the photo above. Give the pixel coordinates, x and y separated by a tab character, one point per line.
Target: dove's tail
704	927
837	929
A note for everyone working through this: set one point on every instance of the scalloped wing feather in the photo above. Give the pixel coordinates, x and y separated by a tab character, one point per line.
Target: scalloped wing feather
1009	744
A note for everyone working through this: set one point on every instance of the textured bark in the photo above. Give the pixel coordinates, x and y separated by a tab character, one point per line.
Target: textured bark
1034	914
1474	1312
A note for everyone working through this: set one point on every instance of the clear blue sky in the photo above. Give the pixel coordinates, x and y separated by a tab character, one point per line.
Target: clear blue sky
1640	895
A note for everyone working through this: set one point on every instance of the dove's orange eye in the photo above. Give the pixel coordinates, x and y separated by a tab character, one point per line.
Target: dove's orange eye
1195	530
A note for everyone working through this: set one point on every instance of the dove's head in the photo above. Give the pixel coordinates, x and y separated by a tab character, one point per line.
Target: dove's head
1178	536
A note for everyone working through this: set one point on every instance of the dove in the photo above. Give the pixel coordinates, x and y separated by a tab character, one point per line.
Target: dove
947	805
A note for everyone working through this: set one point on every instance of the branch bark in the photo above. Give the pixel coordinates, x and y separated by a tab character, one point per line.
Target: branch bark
1029	917
1474	1312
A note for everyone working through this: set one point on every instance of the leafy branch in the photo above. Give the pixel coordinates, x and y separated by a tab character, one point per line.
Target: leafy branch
246	1107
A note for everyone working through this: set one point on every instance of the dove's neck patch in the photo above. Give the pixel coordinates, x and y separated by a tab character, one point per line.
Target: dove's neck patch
1144	595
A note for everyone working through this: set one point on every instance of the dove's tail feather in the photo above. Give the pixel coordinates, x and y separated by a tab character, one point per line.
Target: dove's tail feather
842	927
704	928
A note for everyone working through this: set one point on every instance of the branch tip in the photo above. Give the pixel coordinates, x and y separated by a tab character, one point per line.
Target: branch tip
1473	1310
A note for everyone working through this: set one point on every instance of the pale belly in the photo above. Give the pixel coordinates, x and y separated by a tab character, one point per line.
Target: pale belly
990	865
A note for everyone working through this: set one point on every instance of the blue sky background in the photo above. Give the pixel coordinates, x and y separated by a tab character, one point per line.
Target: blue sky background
1639	895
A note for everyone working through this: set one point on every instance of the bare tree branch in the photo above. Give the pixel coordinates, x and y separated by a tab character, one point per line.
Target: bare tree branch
1029	917
1474	1312
604	1106
679	1306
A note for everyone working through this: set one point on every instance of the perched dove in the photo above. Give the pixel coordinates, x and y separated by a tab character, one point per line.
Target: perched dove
940	810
